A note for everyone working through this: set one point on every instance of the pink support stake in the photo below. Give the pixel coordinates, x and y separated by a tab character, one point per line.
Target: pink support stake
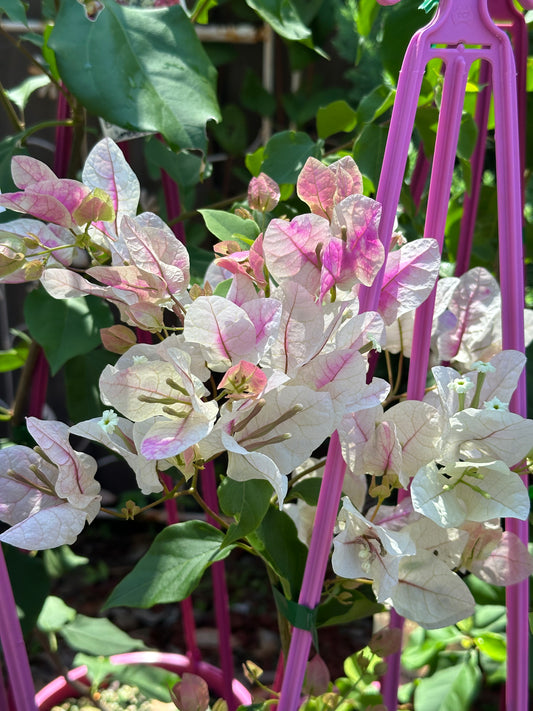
460	33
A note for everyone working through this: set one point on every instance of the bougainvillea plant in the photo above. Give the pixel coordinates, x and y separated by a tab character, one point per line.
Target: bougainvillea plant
254	370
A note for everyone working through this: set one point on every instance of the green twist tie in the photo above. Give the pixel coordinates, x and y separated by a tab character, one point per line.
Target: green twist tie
428	5
300	616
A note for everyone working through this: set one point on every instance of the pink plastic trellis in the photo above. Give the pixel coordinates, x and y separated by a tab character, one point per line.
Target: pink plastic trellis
461	32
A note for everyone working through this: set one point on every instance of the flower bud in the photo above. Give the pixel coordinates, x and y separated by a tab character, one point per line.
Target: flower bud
33	270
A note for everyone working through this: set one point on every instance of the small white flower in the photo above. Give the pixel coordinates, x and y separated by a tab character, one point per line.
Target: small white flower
461	385
376	346
139	359
483	367
109	420
496	404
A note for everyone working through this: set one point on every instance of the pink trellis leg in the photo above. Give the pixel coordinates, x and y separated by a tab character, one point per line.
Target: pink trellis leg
510	19
452	28
315	570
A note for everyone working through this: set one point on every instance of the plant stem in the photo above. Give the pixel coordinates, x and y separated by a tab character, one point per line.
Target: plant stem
10	110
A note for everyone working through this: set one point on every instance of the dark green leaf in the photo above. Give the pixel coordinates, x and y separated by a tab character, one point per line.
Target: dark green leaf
375	104
255	97
65	327
231	132
98	635
172	567
285	155
15	10
225	225
369	150
200	260
485	593
247	502
185	168
400	24
334	612
125	67
9	147
276	540
29	597
450	689
307	489
335	117
81	382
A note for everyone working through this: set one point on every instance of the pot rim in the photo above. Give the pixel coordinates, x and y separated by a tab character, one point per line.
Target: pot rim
59	689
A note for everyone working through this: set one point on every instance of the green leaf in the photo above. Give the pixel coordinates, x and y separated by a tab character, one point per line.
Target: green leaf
285	155
254	161
367	11
59	561
55	614
255	97
9	147
98	668
307	489
467	136
369	150
98	635
276	540
13	358
247	502
152	682
335	117
335	612
231	132
222	288
65	327
15	10
491	618
125	67
226	225
423	646
186	169
450	689
172	567
20	94
493	645
374	104
49	55
485	593
81	383
283	16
